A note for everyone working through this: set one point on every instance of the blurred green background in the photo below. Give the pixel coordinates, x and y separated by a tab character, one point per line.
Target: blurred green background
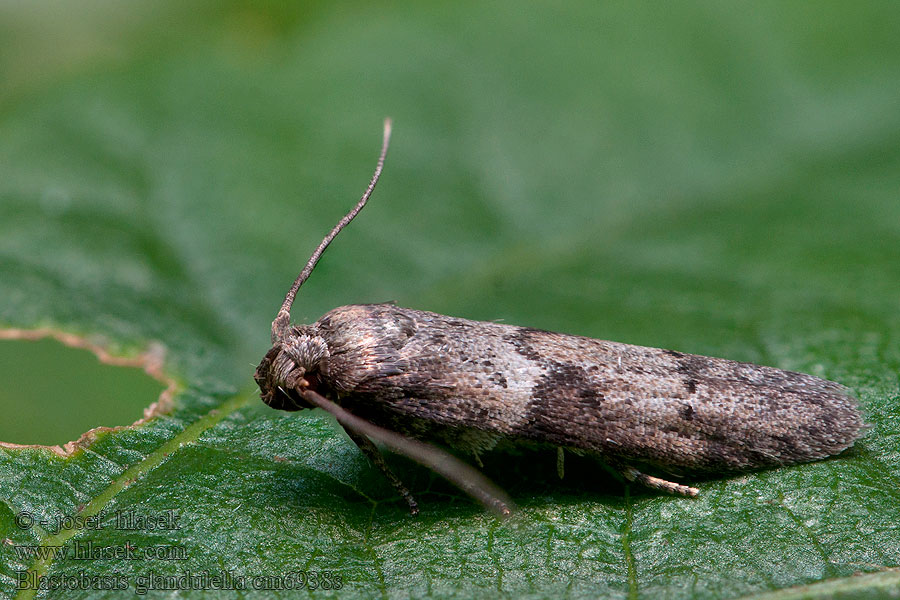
717	178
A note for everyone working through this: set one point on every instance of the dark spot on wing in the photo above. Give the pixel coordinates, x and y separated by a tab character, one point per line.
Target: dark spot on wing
562	405
521	341
691	385
498	379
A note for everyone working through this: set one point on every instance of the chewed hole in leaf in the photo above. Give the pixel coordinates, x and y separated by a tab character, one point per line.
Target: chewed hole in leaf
52	393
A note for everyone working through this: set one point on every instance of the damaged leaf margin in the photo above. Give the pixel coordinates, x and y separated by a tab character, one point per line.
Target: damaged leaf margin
151	362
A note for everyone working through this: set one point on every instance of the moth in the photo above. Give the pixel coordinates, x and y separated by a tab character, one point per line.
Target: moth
407	378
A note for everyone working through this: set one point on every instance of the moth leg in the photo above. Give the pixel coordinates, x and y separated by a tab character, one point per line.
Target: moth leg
632	474
371	451
560	462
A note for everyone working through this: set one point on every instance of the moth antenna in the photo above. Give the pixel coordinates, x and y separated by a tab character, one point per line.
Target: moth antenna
283	318
468	479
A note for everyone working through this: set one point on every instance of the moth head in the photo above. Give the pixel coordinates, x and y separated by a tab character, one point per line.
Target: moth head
290	366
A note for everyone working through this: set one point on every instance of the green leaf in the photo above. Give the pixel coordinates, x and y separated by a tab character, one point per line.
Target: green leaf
704	177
